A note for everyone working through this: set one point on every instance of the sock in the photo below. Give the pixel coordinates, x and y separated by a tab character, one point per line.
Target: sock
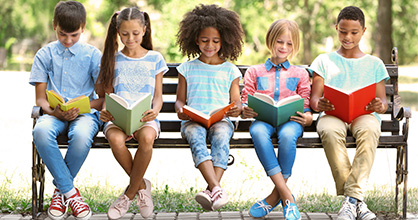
70	193
352	200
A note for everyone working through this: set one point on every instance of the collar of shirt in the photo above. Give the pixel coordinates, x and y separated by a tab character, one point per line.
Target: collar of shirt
73	50
268	64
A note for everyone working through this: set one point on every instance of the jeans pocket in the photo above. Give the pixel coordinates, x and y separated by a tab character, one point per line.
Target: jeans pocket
262	83
292	83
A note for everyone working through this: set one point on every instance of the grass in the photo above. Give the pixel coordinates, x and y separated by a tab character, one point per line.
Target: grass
407	80
99	197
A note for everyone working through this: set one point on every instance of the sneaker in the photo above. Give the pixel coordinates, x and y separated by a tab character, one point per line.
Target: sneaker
119	207
219	197
57	210
204	199
363	213
81	210
348	209
261	209
291	211
144	200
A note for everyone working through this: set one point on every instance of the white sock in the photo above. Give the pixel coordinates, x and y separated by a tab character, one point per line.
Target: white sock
70	193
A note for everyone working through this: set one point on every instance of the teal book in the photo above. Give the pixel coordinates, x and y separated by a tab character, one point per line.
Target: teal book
272	112
127	117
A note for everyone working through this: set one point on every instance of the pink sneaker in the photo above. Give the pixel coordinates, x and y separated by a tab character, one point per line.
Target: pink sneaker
57	210
119	207
204	199
219	197
144	200
81	210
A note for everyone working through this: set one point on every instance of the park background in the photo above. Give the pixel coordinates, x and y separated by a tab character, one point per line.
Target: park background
26	25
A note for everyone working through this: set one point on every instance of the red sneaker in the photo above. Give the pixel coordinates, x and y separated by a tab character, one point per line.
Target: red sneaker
57	210
81	210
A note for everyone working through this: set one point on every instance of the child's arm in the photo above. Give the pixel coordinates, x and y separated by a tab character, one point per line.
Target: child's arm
42	101
318	102
97	103
181	98
235	97
379	104
157	100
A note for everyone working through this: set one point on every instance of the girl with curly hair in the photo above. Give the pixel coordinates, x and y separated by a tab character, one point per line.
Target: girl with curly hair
212	34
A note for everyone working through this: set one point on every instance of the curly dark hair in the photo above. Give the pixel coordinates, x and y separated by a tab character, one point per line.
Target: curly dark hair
225	21
351	13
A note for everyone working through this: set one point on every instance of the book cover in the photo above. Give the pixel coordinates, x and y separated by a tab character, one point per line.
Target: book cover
127	117
81	102
275	113
207	119
349	105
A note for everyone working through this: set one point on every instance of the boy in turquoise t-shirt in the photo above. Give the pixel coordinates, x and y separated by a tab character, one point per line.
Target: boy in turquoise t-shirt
349	68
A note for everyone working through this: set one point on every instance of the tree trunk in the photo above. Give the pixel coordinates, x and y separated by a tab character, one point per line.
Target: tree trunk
384	43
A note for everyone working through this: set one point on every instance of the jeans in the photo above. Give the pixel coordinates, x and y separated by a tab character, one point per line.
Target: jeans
287	134
219	135
350	178
80	137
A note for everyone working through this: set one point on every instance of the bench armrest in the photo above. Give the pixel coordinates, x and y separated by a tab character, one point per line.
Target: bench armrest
36	112
400	112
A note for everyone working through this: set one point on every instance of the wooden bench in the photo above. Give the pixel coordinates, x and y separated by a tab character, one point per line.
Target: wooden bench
394	134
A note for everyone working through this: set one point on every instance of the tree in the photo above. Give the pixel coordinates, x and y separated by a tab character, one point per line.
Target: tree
384	42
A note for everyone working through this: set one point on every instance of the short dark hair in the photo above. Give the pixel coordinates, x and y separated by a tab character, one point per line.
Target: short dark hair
351	13
69	16
203	16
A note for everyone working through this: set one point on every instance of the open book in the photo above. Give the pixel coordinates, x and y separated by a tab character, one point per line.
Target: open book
349	104
127	117
81	102
207	119
275	113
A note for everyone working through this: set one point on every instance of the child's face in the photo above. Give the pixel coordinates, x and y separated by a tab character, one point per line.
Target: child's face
209	42
68	39
350	33
283	47
131	33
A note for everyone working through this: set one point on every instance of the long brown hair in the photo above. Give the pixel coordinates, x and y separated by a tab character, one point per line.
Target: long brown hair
107	66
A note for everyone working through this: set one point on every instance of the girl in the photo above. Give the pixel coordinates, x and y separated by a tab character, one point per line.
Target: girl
130	73
277	78
213	34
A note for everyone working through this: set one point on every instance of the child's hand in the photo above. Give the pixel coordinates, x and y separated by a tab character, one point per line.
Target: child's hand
248	112
181	115
324	105
304	119
149	115
65	116
376	105
233	112
105	116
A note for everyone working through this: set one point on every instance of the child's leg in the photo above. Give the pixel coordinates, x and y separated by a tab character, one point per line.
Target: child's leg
219	136
81	132
288	135
366	131
117	139
333	132
45	134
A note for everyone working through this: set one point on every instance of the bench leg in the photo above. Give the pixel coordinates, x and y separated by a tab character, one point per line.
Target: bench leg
401	177
38	175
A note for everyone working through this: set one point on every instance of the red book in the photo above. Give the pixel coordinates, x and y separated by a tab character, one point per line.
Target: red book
204	119
349	105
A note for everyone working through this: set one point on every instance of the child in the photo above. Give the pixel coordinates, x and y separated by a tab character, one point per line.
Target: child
349	68
213	34
70	68
278	79
132	72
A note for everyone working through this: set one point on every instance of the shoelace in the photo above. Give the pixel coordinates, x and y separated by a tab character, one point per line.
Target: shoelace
122	203
362	209
141	197
77	204
263	206
348	208
57	200
290	209
217	194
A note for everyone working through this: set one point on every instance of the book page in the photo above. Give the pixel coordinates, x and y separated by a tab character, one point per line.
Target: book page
119	100
288	100
196	112
264	97
75	99
139	100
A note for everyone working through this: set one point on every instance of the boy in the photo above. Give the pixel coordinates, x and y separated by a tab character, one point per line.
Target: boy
70	68
349	68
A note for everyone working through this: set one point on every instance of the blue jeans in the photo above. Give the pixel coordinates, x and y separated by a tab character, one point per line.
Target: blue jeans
80	133
288	133
219	135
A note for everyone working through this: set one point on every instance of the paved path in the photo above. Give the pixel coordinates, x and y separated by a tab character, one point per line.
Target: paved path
237	215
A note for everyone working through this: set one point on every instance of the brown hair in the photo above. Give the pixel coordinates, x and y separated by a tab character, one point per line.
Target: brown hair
69	16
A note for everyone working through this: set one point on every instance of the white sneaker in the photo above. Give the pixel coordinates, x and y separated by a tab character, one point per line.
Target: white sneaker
363	213
144	200
119	207
204	199
348	210
219	197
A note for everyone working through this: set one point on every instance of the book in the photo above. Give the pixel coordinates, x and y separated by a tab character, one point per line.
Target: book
349	104
275	113
207	119
81	102
127	117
